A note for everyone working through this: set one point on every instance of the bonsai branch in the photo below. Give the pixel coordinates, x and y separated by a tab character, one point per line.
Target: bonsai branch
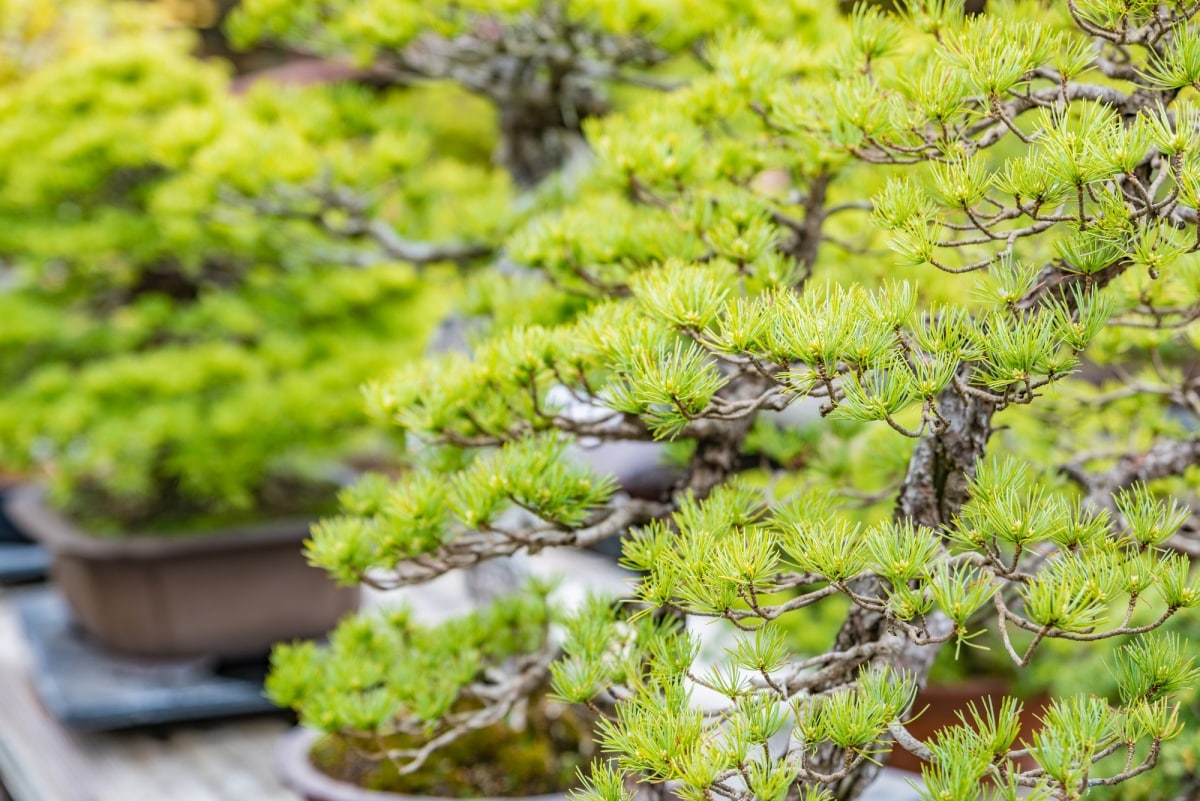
500	696
476	547
344	214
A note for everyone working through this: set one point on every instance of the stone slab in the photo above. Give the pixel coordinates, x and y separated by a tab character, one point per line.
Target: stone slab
21	562
85	687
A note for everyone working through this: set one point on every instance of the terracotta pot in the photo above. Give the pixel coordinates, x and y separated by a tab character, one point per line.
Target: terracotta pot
297	773
942	702
231	593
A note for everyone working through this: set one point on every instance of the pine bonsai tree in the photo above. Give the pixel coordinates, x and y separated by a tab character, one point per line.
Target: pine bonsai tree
968	245
170	356
547	67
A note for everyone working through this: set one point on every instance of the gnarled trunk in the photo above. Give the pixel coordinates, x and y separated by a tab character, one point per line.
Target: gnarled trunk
933	493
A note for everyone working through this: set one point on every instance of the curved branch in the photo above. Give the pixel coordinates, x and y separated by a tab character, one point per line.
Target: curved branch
477	547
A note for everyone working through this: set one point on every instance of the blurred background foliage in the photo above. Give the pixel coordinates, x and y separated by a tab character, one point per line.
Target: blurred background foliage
170	351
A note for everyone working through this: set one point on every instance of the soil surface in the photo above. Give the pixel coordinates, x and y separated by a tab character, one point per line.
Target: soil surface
546	756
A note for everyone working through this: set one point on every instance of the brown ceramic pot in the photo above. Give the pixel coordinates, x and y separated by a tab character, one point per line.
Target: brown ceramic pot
231	593
297	773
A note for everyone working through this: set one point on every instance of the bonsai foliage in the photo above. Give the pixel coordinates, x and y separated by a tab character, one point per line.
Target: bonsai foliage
967	246
444	676
170	352
1175	776
546	66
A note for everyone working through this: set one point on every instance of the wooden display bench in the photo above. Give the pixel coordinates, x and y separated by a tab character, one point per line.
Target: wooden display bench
42	760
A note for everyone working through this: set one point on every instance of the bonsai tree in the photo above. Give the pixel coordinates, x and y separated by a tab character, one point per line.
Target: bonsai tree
170	355
547	67
968	244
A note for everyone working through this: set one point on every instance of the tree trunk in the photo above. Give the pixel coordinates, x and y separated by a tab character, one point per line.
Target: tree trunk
932	494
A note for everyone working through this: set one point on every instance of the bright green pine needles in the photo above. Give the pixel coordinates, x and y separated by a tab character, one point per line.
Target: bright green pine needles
389	523
365	29
391	674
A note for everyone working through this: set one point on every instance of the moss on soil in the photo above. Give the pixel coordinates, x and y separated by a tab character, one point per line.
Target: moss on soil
546	756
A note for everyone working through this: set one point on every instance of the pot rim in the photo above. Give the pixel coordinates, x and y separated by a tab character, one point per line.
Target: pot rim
297	773
27	507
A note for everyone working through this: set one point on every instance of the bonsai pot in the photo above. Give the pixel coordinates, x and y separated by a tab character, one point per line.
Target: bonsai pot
20	559
297	773
230	593
10	534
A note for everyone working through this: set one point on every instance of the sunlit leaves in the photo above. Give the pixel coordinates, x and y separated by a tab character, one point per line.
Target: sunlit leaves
1087	252
1174	133
1028	177
719	556
1151	521
1153	668
997	53
832	548
1073	729
1074	145
959	590
873	395
1113	15
871	33
686	296
914	243
901	552
1176	586
1008	281
594	653
939	95
658	150
604	783
1019	350
961	182
1072	594
1077	326
655	731
389	522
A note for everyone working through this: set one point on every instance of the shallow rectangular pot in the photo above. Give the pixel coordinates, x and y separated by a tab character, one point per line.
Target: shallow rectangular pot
231	593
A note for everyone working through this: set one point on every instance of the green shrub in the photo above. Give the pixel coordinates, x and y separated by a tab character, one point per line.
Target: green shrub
193	296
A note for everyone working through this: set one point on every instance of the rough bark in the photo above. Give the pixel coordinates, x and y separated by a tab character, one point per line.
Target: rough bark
942	464
804	243
544	78
535	142
933	492
1165	458
718	451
